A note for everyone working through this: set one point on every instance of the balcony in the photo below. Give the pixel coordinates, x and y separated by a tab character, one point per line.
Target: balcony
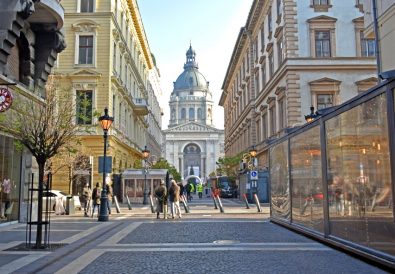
48	12
140	106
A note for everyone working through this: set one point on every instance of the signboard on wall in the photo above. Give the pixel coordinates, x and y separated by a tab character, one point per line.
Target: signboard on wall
108	164
254	175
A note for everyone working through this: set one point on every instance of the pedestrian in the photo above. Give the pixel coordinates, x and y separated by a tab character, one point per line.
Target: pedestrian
160	193
96	199
109	197
174	198
200	190
86	197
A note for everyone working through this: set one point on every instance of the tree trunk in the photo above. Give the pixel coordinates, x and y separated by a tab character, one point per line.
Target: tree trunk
41	166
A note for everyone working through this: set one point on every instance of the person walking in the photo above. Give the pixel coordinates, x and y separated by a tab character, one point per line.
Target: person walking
96	199
190	188
174	198
160	193
200	190
109	197
87	196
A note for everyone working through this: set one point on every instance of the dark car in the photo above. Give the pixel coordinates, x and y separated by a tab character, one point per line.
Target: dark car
227	192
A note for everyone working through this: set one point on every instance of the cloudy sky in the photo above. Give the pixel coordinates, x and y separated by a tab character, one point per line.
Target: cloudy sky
211	26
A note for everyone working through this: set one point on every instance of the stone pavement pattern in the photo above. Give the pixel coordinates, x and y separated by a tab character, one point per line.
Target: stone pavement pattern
203	241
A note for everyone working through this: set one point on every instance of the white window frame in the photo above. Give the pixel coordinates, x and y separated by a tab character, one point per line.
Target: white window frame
79	6
76	50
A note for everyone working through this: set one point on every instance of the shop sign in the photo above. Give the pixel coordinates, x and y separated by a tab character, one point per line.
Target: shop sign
5	99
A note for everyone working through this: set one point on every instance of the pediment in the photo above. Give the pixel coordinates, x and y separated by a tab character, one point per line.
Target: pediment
322	18
192	127
325	80
85	73
367	81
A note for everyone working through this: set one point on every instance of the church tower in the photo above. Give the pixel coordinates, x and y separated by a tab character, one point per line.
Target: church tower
192	143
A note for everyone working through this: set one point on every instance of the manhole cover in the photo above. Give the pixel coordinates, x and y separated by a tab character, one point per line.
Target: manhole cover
226	242
24	247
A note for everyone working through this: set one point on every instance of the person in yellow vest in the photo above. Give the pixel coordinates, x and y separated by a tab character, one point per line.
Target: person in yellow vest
200	190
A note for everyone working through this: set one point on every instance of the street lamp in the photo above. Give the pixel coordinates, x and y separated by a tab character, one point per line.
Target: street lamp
310	117
105	122
149	160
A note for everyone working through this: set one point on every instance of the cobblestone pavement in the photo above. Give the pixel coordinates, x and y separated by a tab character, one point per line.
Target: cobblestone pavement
204	241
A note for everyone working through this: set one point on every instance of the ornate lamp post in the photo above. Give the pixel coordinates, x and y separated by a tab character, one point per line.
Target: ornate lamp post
149	160
105	122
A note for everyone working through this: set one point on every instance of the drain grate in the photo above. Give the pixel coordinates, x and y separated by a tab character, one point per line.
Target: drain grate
24	247
226	242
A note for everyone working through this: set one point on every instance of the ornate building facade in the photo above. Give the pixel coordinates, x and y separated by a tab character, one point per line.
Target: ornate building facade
289	56
191	140
108	64
30	39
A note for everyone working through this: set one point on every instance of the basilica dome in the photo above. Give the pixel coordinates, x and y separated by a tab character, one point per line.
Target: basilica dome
190	78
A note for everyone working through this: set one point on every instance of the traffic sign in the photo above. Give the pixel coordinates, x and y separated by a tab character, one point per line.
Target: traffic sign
254	175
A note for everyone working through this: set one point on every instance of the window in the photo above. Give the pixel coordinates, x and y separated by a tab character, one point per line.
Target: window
272	113
85	52
262	37
281	113
320	2
84	107
87	5
263	70
269	22
256	49
322	36
191	114
271	65
199	113
322	44
280	51
257	88
278	5
324	101
183	113
367	46
264	126
114	56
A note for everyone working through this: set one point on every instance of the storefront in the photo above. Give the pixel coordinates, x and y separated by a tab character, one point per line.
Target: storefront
332	178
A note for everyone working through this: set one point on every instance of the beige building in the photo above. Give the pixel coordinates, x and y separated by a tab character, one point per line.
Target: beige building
386	30
107	64
289	56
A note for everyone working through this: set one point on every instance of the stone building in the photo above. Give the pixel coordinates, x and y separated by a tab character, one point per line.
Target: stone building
30	39
191	140
289	56
108	63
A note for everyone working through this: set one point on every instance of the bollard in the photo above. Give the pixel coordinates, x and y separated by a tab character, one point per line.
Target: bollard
129	205
215	202
152	204
117	205
246	201
258	205
183	200
221	208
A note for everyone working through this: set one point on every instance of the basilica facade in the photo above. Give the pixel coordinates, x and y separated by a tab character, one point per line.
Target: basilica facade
192	143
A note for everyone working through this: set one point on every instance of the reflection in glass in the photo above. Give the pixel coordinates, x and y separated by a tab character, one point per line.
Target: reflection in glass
307	195
359	185
279	180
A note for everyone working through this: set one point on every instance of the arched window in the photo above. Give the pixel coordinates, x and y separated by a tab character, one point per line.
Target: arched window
183	113
199	113
191	114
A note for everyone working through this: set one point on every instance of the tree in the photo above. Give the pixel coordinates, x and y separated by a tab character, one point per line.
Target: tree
160	164
44	127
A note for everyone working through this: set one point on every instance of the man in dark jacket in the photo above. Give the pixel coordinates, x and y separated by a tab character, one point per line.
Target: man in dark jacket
161	199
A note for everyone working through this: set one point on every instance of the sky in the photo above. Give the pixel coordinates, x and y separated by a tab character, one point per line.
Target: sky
211	26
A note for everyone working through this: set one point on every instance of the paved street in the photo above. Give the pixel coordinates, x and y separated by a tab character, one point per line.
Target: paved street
204	241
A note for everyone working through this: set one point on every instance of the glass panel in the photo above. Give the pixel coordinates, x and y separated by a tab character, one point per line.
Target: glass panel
279	180
359	186
307	194
10	167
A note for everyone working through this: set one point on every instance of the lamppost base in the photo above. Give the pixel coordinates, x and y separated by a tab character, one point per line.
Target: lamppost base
103	212
145	199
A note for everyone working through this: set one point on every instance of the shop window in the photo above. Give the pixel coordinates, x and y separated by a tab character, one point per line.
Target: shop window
84	107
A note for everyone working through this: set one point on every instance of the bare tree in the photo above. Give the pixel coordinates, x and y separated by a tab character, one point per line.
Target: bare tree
44	127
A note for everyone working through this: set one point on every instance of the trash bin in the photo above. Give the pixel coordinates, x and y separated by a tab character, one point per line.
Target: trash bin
70	209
